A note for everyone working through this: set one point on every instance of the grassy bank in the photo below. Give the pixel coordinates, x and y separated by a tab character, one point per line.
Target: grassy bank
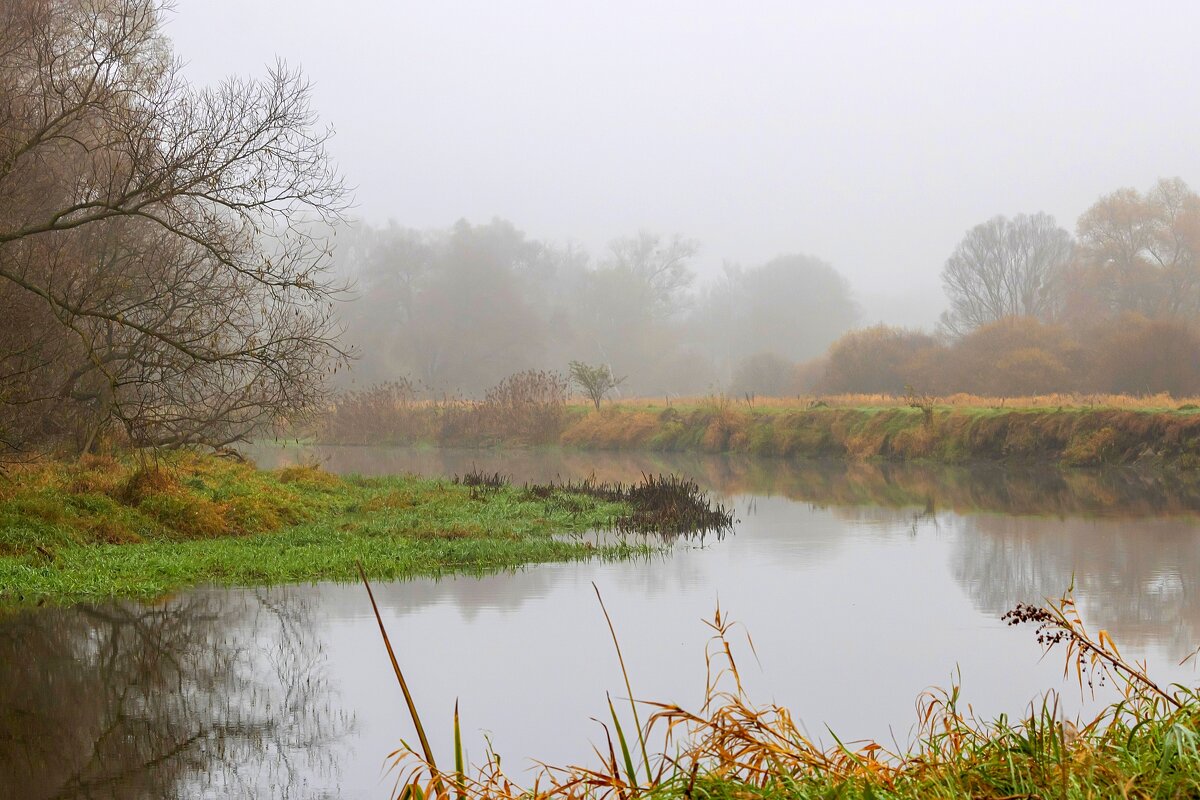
107	527
946	432
1068	436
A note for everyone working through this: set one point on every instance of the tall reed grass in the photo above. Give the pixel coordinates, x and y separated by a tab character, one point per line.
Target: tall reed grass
1144	745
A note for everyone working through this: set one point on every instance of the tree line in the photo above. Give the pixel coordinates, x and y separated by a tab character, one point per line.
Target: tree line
1032	309
1035	310
457	310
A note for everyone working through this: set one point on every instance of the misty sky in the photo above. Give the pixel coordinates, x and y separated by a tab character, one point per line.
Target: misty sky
869	134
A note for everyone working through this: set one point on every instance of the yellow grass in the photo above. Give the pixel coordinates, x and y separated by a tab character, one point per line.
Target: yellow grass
1160	401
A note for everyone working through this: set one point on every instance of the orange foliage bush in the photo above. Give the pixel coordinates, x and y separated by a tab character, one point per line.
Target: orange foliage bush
1136	355
1015	356
878	359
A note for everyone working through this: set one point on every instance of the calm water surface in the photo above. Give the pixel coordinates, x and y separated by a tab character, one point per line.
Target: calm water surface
861	586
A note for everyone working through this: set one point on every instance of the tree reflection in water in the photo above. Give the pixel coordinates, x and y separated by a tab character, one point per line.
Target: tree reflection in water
1013	488
1135	578
211	694
1129	536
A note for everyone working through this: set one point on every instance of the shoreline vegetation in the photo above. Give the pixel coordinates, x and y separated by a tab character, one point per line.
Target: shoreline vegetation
1059	430
106	527
1144	744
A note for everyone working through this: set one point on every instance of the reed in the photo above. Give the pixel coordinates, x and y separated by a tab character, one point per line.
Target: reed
664	504
1144	745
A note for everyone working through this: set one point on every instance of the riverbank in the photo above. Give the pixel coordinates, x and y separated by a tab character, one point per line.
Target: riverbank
108	527
952	434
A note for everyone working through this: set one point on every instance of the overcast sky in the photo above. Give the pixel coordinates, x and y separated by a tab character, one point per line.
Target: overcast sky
872	135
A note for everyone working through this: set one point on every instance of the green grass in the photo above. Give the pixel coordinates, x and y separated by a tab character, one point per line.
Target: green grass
112	528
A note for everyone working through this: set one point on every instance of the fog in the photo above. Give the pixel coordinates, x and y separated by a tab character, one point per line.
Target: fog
867	135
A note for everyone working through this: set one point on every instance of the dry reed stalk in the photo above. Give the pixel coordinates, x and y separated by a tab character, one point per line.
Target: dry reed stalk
733	741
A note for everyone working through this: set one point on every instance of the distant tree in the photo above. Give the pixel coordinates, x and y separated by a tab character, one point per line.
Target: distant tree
1005	268
388	267
766	373
458	308
795	305
596	381
1141	253
629	306
659	268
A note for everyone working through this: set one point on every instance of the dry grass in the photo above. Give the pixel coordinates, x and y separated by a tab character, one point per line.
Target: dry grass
1155	402
1145	745
179	496
1077	430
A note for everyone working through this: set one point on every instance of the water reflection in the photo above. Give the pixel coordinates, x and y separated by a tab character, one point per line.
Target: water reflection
1140	577
1128	538
212	693
1008	489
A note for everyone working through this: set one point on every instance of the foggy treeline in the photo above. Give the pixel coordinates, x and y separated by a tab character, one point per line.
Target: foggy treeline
457	310
1033	308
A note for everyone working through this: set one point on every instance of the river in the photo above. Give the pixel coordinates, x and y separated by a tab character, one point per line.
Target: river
861	586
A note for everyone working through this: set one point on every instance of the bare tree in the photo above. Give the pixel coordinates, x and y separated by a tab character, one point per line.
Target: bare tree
155	236
1006	268
658	268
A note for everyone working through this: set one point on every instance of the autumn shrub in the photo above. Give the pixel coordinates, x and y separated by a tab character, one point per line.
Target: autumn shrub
809	376
1013	357
878	359
1141	356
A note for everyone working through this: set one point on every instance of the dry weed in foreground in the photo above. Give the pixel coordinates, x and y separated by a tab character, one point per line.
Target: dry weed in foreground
731	742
